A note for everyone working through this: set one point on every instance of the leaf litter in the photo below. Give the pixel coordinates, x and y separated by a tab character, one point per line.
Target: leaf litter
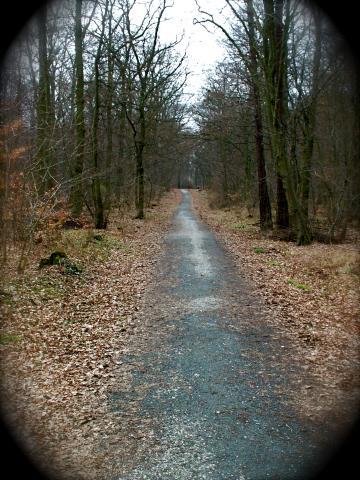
311	296
71	331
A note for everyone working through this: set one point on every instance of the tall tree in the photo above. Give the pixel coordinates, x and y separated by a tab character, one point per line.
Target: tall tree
245	23
45	121
309	123
76	194
153	71
264	199
100	219
274	51
276	30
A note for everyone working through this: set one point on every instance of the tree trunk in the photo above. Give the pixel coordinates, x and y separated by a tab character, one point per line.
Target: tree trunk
99	214
109	118
140	184
140	137
44	113
3	176
125	102
76	198
280	102
99	210
309	129
264	199
282	211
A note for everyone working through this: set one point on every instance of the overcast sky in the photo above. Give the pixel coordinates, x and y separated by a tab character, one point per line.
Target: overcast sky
203	48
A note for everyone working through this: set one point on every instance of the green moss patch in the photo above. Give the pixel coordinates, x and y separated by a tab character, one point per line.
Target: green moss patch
273	263
259	250
84	244
6	298
239	226
8	338
300	286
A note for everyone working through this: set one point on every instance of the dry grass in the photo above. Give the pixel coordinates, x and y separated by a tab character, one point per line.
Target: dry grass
311	294
338	260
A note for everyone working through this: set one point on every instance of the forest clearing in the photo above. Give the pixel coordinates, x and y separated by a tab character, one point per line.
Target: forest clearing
180	267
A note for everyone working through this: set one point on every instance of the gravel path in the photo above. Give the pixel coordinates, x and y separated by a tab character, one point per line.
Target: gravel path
207	382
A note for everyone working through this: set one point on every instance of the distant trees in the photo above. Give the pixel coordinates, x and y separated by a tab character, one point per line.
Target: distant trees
283	69
97	92
225	148
92	117
153	84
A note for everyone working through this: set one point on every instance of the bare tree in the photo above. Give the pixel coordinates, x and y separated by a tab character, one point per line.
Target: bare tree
245	25
154	69
45	120
76	195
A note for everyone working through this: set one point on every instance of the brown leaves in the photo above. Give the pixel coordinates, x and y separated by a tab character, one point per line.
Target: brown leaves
311	295
73	329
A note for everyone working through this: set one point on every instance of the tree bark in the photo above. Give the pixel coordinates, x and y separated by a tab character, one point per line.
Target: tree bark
44	110
100	220
76	198
99	214
309	130
282	210
264	199
109	120
140	144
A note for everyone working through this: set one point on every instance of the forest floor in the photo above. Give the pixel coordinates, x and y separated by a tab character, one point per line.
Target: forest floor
312	293
62	335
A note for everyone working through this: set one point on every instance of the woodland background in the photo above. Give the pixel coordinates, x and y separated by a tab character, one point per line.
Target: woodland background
95	133
93	120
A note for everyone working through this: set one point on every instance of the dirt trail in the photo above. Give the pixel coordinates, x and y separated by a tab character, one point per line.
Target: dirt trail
206	394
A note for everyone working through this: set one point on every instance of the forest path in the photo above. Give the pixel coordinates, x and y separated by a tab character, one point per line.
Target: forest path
208	379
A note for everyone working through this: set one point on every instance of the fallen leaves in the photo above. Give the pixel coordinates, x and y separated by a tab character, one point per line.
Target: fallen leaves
71	331
63	335
311	296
